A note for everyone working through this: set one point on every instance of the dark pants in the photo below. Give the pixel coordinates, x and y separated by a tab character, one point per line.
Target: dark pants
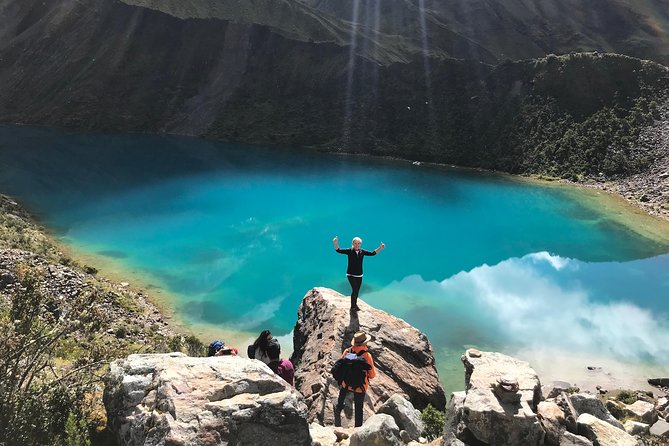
358	402
356	283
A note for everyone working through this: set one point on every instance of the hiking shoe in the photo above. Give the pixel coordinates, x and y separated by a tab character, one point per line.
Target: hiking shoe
355	308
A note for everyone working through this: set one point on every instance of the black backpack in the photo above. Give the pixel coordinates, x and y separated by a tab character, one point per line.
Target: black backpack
352	371
214	347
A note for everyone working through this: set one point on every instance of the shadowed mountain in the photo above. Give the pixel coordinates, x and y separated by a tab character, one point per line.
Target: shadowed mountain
520	29
279	73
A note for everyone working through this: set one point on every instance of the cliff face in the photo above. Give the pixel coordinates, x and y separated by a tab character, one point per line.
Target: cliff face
402	355
286	74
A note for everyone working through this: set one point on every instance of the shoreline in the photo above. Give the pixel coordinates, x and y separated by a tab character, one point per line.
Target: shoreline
620	193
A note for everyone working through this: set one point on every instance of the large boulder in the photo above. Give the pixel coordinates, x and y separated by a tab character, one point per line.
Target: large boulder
642	411
553	420
172	399
378	430
490	418
403	355
585	403
602	433
406	416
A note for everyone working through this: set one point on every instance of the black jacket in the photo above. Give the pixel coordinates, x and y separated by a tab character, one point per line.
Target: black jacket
355	260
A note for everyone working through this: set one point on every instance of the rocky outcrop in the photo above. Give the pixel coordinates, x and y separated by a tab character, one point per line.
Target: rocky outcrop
590	404
172	399
402	355
493	416
602	433
503	405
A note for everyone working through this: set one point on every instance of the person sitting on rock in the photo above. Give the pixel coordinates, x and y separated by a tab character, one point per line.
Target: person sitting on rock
359	369
218	348
354	271
258	350
282	367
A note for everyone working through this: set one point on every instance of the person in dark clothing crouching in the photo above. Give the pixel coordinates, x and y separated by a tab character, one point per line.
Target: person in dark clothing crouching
282	367
354	271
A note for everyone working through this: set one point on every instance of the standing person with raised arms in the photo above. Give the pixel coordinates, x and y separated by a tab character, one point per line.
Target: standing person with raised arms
354	271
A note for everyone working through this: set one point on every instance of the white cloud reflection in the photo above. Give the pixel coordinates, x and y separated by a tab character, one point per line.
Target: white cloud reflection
536	302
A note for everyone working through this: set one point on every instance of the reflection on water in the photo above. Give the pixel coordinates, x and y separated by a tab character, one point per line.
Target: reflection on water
609	311
237	235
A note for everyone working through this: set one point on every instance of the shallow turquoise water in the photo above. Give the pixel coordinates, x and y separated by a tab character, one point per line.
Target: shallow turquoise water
239	234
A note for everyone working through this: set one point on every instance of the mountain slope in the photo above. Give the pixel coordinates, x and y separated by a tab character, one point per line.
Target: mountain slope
523	29
110	65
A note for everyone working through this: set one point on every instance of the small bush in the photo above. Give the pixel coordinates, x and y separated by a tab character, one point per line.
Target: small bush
627	397
194	346
433	421
174	343
76	431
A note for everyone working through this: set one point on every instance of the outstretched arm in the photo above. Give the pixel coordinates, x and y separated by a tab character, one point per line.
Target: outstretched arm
335	242
381	247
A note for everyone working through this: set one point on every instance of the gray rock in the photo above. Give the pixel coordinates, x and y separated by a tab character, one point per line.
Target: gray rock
405	437
179	400
553	421
6	278
324	435
636	428
662	403
590	404
642	411
660	428
602	433
569	439
378	430
662	382
406	416
553	389
493	421
454	427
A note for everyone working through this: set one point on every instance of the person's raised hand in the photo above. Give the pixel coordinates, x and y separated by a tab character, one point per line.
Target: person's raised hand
383	245
335	239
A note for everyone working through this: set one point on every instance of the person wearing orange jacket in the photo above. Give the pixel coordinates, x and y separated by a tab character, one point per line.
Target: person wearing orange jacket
357	350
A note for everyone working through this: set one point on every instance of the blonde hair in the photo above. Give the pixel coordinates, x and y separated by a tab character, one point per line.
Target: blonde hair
356	239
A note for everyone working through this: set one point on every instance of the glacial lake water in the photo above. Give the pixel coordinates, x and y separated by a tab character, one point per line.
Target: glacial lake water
234	236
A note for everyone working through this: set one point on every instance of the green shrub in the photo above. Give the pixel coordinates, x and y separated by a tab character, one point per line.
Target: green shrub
627	397
76	431
433	421
194	346
36	395
174	343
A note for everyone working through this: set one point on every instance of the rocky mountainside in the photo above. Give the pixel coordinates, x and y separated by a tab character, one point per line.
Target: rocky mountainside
290	73
518	29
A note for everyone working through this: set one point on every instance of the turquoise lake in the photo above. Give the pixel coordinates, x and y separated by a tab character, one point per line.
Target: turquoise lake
236	235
